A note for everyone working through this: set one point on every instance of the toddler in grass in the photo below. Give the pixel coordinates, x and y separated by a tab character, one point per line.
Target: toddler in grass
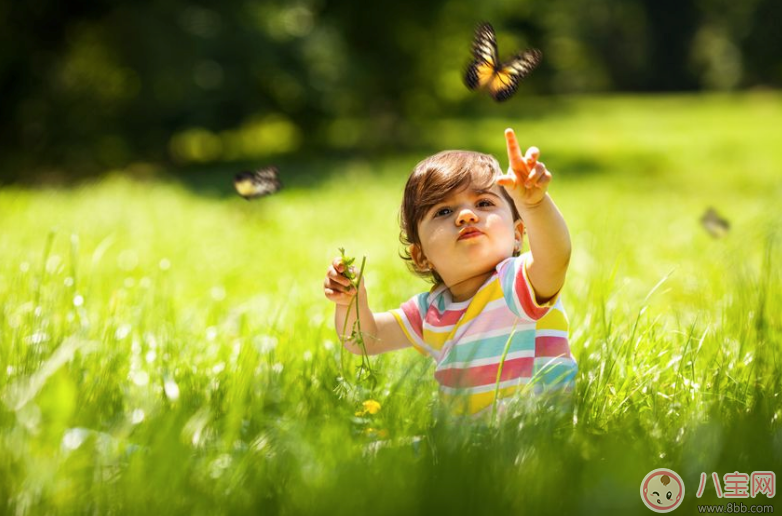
493	309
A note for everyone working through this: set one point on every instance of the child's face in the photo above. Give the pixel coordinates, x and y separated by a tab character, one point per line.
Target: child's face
468	233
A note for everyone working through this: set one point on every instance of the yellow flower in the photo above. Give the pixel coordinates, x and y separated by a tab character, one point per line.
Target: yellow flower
370	407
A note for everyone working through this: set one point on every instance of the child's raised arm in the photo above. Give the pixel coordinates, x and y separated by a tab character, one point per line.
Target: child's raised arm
549	240
381	331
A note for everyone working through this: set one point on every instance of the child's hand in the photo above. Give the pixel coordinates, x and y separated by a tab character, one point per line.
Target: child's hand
527	179
337	287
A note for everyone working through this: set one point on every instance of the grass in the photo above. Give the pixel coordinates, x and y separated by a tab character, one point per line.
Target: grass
169	350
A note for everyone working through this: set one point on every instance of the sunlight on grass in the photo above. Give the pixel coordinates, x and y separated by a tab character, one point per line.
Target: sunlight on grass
164	351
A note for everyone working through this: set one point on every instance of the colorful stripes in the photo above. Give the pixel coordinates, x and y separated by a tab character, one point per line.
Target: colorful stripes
477	376
518	290
491	347
467	339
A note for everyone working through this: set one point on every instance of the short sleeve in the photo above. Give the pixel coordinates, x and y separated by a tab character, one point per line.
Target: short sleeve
410	317
517	289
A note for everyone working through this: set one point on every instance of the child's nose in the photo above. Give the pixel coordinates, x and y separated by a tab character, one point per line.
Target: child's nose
465	216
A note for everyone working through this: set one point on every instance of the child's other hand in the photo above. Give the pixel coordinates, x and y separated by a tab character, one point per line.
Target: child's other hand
337	287
527	179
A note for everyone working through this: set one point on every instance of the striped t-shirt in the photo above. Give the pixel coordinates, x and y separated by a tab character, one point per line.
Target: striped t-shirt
467	339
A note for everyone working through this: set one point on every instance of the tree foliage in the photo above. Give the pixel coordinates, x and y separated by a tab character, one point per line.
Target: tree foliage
90	86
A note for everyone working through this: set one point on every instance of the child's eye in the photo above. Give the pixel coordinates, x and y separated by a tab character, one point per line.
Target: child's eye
442	212
483	203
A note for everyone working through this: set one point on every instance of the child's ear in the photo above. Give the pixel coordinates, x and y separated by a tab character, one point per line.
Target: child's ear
518	237
420	261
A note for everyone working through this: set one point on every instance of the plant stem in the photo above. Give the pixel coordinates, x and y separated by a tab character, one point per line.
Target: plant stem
499	372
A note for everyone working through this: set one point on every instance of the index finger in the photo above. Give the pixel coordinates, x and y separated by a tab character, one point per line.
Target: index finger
517	162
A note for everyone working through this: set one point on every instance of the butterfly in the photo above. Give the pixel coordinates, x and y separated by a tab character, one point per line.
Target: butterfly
487	72
262	182
714	223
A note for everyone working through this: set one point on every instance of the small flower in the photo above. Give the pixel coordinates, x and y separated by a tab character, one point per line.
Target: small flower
370	407
376	433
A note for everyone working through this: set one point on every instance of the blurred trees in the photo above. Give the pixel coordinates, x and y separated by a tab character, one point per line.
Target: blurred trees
87	86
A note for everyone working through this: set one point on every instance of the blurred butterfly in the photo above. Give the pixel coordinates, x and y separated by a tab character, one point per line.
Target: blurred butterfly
714	223
262	182
487	72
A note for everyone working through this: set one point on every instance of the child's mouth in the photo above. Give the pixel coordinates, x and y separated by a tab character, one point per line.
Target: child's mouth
469	233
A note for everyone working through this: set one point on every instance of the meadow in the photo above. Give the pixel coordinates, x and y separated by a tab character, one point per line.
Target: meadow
166	347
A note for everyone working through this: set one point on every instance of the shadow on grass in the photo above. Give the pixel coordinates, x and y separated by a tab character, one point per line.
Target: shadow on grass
311	172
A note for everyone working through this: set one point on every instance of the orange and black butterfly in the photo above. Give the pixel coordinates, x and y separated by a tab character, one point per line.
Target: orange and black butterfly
486	71
261	182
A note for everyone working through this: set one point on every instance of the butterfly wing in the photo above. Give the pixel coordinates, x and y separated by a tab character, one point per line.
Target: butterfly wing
482	69
486	72
261	182
714	224
506	80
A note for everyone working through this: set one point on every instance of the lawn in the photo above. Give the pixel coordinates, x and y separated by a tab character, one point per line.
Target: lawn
166	347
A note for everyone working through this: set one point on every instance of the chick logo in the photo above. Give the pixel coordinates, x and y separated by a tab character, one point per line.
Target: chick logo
662	490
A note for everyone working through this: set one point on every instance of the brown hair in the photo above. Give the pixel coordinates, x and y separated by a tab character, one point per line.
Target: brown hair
434	179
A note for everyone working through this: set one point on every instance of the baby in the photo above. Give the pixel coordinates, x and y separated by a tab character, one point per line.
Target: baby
493	320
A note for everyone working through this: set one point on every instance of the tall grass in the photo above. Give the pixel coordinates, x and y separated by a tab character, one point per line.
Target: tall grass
170	351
